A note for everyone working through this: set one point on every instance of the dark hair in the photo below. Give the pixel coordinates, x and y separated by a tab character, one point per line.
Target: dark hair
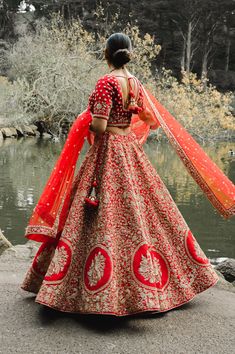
118	49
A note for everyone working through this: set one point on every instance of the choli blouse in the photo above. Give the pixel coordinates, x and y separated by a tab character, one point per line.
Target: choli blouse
107	102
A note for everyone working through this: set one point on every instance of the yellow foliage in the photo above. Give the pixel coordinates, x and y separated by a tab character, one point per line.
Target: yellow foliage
55	70
203	110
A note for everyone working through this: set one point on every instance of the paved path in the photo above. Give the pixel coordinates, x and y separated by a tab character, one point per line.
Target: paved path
204	325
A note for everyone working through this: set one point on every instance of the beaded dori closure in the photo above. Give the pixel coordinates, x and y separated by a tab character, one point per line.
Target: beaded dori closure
106	102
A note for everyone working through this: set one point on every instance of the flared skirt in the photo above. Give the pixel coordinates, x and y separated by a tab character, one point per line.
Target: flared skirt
133	253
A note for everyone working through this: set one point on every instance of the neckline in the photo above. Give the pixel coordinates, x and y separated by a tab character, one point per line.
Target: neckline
120	88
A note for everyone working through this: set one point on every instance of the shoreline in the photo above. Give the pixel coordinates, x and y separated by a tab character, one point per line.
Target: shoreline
32	130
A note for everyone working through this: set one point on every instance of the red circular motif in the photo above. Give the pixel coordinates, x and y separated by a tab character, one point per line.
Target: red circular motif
98	269
150	268
42	258
60	262
194	250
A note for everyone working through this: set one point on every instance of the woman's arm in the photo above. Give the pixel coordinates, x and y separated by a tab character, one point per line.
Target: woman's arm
98	125
101	105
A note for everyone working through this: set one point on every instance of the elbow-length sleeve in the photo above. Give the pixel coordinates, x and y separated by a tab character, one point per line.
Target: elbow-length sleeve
101	102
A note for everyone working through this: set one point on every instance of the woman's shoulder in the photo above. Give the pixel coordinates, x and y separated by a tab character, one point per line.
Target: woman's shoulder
105	78
112	78
106	81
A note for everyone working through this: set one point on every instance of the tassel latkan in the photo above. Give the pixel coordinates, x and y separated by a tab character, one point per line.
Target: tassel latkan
132	105
92	199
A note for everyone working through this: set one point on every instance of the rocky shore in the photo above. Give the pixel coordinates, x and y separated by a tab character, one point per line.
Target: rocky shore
38	129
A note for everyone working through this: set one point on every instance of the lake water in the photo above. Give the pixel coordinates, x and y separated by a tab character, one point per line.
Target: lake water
26	163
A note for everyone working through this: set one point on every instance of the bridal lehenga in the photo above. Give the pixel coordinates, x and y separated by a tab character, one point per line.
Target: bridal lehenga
133	251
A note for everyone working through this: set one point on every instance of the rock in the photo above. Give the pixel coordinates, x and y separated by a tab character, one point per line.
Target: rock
219	274
225	285
46	136
227	268
20	252
9	132
41	127
65	126
16	252
20	131
1	136
33	127
28	130
4	243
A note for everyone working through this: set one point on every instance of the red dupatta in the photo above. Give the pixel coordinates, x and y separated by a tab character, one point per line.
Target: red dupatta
50	213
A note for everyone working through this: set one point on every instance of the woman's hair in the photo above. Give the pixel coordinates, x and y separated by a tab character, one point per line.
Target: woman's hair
118	49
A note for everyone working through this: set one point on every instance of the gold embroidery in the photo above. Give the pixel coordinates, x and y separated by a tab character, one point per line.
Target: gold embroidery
58	262
150	268
42	260
116	230
198	250
96	270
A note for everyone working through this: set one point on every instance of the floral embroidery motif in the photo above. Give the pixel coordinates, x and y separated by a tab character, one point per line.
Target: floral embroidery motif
96	270
150	268
106	102
59	261
101	108
129	257
42	258
41	265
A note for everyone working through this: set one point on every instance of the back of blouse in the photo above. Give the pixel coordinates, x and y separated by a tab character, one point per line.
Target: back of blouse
107	102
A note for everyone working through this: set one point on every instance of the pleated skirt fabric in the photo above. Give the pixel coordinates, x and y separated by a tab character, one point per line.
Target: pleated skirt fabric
133	253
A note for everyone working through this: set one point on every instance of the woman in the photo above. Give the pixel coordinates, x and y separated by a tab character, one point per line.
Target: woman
117	244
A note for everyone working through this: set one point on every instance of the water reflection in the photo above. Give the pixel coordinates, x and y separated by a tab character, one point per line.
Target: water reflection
25	165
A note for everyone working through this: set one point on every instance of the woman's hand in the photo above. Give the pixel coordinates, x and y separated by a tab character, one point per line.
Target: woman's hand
147	117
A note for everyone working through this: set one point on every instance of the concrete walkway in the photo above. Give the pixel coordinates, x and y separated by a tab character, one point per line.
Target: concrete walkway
204	325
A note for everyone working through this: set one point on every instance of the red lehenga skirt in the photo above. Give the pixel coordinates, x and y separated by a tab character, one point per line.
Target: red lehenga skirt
133	253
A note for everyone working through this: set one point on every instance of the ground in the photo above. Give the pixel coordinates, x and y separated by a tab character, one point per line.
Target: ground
204	325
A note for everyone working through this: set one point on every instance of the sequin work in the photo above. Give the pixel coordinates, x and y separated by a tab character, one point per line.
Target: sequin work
106	102
134	253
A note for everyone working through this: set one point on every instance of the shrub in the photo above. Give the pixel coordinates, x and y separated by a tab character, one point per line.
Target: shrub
202	110
54	70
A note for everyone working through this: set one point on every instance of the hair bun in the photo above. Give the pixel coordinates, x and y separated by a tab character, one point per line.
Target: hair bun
121	57
124	50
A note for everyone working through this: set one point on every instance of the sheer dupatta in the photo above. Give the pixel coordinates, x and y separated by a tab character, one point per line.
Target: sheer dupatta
217	187
50	213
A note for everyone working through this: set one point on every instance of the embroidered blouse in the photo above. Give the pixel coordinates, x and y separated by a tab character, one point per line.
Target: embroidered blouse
106	101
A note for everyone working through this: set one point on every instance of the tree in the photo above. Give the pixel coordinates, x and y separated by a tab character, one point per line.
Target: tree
215	20
186	18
